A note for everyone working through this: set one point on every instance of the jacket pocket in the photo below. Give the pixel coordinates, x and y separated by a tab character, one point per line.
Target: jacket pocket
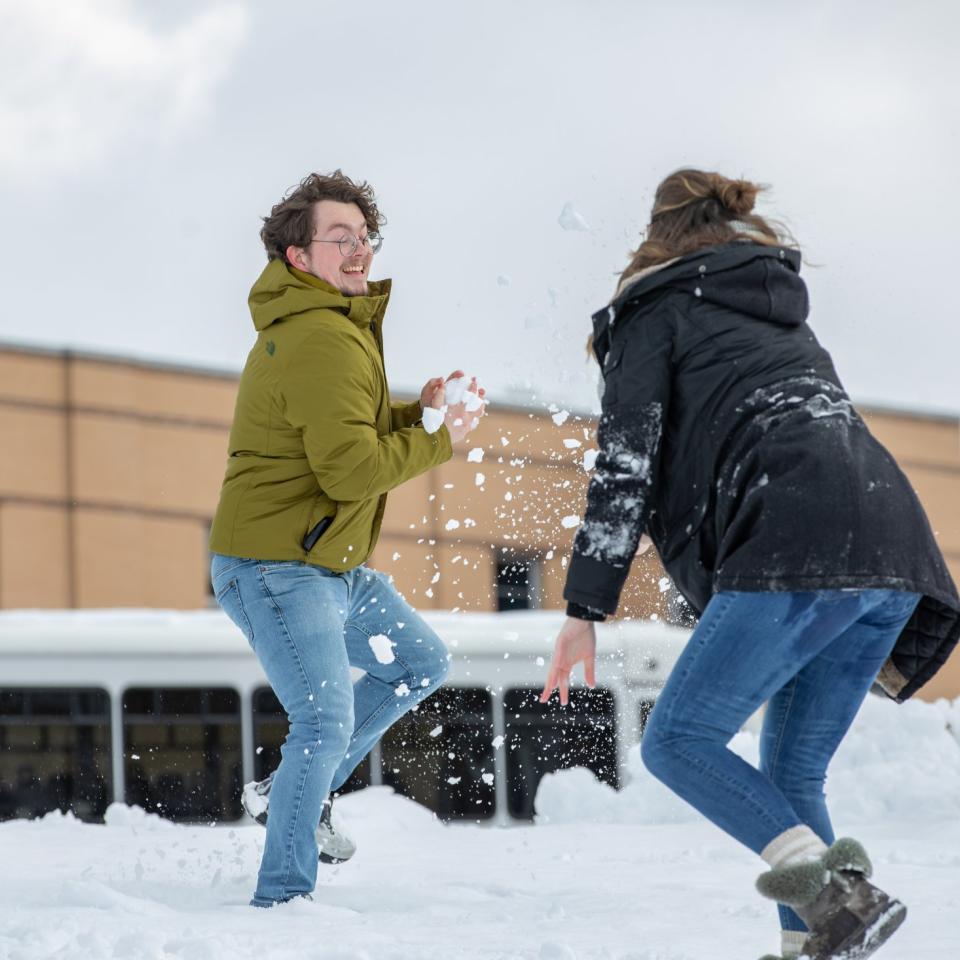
678	534
318	528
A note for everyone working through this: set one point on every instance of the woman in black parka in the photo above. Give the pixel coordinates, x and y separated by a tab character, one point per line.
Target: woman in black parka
726	434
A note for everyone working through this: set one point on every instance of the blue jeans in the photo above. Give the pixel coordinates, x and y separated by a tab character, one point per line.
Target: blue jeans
308	626
811	657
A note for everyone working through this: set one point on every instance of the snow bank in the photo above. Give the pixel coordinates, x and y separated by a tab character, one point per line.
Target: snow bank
895	761
140	888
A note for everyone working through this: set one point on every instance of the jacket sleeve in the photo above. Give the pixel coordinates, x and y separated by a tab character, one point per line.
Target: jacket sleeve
330	391
405	414
637	374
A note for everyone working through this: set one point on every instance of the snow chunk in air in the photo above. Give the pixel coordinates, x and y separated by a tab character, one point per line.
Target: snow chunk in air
569	219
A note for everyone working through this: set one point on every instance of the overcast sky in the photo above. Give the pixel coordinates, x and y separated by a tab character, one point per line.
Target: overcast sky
140	143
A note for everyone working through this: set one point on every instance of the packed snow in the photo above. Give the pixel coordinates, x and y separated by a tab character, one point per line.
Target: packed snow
382	647
456	391
633	874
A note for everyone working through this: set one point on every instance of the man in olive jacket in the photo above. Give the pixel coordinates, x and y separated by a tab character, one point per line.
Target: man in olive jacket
315	446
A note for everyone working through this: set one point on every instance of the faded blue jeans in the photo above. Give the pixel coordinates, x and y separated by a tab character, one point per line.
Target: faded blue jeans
308	626
811	657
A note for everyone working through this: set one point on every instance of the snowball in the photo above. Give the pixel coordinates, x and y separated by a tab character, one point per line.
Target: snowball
458	391
475	455
571	444
570	522
569	219
561	418
452	524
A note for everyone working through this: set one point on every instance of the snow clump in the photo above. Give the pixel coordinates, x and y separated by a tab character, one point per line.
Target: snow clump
382	647
569	219
456	391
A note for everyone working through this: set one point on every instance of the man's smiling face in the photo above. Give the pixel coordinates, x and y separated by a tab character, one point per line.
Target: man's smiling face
333	221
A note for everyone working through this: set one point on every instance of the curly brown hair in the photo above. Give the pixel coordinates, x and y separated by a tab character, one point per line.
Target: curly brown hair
694	209
291	220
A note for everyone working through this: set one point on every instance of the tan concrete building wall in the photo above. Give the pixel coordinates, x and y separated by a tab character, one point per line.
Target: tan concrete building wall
111	473
928	451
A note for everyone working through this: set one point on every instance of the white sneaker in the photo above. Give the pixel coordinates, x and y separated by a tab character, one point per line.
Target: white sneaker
333	844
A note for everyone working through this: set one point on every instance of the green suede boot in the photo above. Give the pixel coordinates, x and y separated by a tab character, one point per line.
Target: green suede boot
847	916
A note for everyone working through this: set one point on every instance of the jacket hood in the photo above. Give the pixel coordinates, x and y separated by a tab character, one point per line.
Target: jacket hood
761	281
282	291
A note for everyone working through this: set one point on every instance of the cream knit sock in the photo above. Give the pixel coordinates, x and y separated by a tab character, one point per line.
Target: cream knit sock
791	943
796	845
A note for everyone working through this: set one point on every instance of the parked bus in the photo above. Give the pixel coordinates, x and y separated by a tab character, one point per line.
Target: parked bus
170	711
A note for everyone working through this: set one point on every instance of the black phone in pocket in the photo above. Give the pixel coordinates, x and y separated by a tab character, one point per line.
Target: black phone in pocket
315	533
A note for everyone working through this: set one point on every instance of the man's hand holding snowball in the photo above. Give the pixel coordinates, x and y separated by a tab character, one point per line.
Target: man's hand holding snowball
456	402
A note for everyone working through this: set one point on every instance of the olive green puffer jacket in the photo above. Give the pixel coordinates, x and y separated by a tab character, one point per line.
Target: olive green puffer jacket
314	433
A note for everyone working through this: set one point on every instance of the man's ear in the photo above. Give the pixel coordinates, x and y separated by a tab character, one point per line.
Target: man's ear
297	257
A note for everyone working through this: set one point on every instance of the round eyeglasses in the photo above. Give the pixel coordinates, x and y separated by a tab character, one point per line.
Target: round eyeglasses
348	245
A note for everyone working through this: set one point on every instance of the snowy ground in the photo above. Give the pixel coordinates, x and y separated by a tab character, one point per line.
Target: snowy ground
632	875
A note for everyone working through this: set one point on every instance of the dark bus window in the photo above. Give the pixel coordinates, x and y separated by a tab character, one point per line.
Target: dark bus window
182	754
645	709
55	752
441	755
516	583
545	737
269	730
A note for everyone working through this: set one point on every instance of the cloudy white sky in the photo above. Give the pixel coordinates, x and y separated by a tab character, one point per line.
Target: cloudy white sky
140	142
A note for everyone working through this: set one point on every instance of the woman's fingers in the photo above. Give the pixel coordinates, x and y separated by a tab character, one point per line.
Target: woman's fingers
550	684
589	672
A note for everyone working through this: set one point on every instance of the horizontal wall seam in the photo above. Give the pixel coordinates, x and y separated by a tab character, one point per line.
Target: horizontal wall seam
224	426
407	536
114	413
103	507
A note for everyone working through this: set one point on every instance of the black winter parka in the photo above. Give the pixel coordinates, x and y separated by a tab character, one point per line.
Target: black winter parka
726	434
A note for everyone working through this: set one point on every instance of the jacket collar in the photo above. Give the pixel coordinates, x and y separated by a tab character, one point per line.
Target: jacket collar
361	310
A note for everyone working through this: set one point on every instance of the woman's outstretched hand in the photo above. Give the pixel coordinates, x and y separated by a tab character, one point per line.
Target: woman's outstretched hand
576	641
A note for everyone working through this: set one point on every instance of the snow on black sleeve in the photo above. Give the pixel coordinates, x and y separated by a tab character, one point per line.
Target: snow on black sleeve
636	398
618	499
